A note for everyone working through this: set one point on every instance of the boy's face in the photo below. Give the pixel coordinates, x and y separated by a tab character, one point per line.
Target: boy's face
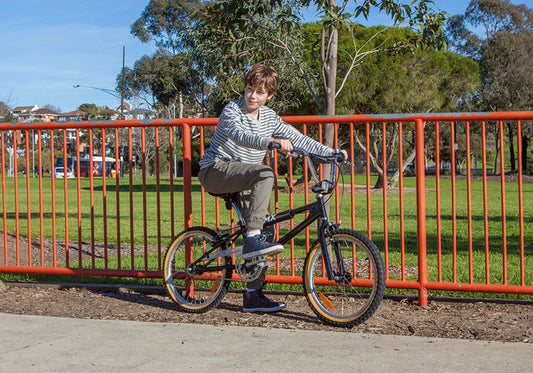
255	97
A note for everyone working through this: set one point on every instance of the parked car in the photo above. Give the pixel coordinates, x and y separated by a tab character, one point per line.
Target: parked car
60	173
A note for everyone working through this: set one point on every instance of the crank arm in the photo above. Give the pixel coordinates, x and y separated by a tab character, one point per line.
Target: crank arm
228	252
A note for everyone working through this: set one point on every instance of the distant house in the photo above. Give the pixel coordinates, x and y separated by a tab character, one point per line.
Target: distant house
44	115
73	116
23	113
33	114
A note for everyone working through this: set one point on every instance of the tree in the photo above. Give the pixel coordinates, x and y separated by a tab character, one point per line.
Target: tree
5	113
425	80
505	55
170	74
230	38
419	16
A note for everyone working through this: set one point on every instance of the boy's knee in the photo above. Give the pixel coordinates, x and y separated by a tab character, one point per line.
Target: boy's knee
266	173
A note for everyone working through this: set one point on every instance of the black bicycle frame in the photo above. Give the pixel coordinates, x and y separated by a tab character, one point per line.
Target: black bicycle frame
316	211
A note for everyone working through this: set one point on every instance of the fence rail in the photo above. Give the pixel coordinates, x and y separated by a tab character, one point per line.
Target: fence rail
443	222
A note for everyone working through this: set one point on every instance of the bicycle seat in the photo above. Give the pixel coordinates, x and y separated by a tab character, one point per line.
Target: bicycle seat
228	198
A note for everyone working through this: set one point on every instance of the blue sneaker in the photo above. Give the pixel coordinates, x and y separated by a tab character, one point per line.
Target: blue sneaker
257	245
256	301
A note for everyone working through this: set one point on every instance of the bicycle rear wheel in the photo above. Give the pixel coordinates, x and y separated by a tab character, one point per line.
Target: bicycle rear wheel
194	290
355	296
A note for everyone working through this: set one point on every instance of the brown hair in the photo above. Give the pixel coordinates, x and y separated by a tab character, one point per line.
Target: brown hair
262	75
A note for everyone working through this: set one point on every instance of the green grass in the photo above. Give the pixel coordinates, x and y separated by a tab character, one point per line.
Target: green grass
389	244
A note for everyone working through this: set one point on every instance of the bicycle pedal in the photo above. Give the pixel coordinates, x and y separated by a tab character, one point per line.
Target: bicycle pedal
258	259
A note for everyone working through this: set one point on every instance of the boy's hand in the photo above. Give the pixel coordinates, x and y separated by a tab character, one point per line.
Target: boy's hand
284	145
344	154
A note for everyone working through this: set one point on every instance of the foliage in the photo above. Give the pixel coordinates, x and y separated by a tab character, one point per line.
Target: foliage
505	55
5	117
170	76
96	112
232	38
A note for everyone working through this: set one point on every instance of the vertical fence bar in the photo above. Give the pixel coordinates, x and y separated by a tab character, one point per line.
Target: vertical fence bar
104	197
485	200
202	191
421	211
4	205
158	198
504	223
291	206
336	146
65	196
187	176
41	211
52	180
437	198
352	176
78	189
385	208
91	191
130	165
469	205
171	175
28	195
520	202
118	175
368	211
145	212
306	194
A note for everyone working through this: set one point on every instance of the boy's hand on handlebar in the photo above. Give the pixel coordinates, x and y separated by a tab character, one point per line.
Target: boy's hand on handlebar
343	153
284	145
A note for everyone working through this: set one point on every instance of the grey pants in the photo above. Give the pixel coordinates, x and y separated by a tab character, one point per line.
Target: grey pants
254	182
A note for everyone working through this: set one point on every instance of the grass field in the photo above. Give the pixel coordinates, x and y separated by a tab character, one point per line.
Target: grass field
154	206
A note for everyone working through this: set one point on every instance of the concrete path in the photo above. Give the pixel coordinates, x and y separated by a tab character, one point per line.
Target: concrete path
48	344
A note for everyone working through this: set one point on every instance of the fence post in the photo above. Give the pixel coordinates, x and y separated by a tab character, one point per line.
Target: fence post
421	211
187	174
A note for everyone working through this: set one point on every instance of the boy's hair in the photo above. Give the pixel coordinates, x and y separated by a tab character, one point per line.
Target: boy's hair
262	76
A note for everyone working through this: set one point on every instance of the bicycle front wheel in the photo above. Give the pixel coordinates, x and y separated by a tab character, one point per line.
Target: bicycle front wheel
193	288
359	286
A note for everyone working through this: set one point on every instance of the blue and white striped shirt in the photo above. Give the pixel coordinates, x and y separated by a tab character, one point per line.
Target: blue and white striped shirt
241	137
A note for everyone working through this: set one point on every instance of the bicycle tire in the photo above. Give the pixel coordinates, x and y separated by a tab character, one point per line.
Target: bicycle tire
194	293
345	304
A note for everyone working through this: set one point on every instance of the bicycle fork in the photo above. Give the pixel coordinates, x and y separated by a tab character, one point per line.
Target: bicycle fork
323	227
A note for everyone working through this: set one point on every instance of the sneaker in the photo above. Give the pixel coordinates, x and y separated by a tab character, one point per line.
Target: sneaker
257	245
256	301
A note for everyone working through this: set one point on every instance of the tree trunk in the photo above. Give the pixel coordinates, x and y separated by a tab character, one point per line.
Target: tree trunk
525	143
496	170
329	50
511	146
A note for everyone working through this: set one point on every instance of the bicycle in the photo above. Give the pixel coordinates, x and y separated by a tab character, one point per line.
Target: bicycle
343	275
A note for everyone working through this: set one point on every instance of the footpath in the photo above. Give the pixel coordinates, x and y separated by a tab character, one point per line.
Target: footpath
49	344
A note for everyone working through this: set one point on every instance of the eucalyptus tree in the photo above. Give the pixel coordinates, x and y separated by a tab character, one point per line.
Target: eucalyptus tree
499	35
235	24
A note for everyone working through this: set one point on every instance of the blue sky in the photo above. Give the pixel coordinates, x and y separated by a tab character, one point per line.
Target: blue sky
48	46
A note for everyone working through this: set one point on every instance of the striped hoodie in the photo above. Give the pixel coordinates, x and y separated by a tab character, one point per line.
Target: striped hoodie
241	137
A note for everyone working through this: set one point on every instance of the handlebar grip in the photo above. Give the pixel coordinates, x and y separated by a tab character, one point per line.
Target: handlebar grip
274	145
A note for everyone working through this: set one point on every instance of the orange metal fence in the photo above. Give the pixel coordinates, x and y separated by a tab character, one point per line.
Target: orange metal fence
449	222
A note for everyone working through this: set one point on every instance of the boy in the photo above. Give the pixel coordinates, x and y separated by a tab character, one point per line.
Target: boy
232	164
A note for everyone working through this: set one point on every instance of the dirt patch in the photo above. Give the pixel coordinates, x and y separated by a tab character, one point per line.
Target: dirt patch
469	320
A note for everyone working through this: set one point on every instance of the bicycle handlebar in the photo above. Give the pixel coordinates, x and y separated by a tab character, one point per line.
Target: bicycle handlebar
335	159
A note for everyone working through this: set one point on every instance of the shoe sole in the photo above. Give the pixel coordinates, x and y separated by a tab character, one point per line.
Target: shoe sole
274	309
273	250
